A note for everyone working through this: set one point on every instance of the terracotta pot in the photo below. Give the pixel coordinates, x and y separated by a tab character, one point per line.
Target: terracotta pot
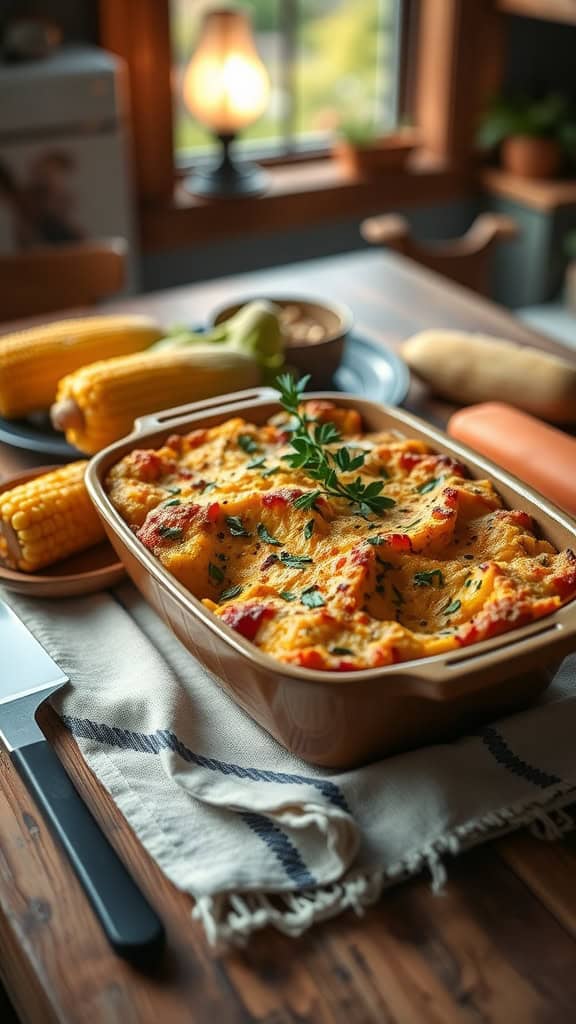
531	158
368	161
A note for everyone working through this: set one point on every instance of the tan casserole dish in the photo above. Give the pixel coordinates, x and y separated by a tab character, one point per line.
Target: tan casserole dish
343	719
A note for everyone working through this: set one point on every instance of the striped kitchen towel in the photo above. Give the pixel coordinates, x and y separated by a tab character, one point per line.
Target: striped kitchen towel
254	835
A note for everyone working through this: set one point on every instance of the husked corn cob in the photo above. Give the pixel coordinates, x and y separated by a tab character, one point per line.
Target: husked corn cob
33	361
99	403
47	519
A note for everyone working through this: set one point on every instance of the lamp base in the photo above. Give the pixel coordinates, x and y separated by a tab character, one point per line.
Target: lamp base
227	181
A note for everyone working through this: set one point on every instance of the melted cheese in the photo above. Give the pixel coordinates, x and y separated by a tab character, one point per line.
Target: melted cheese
327	588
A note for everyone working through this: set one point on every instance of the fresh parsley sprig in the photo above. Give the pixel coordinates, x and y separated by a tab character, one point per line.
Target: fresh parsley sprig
310	453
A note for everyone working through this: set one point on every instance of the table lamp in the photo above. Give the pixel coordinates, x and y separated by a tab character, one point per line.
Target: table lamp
226	87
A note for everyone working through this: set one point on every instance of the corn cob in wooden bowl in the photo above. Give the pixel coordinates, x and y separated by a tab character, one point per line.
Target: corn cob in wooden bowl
51	541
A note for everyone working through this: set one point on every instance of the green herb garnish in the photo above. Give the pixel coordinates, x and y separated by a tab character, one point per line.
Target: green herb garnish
208	486
215	572
426	579
287	595
452	607
247	443
173	490
308	500
171	532
267	537
295	561
310	453
312	598
173	501
375	541
382	472
429	485
226	595
398	598
271	471
236	526
309	529
341	650
255	463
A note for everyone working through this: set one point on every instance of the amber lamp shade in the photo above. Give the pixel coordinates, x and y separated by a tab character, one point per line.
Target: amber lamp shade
226	87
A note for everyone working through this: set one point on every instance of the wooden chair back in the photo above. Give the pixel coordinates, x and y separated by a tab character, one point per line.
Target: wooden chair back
46	279
465	260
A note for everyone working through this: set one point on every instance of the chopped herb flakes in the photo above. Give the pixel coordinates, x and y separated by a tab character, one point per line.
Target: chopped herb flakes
429	485
312	598
215	572
256	463
383	473
271	471
266	537
341	650
173	490
295	561
236	526
287	595
452	607
174	501
309	529
426	578
397	599
227	595
208	486
375	541
307	501
247	443
171	532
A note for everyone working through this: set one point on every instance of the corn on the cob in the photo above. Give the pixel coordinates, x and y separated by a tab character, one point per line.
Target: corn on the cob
99	403
47	519
33	361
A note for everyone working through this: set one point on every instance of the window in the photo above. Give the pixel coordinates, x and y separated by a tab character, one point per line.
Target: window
329	61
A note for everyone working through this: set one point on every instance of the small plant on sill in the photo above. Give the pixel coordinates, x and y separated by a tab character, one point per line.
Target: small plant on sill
535	135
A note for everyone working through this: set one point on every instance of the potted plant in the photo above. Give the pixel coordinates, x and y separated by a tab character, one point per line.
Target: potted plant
363	154
534	135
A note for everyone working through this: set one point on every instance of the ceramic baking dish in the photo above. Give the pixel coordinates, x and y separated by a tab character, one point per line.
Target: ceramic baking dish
344	719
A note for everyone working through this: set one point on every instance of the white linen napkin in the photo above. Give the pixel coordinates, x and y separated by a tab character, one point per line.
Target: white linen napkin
253	834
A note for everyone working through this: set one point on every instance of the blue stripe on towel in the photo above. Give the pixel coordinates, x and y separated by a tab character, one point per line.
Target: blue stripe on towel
502	753
282	847
165	739
152	743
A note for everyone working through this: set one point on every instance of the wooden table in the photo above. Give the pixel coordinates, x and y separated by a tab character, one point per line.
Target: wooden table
498	945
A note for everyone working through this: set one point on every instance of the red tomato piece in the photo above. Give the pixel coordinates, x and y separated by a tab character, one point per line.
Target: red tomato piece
246	619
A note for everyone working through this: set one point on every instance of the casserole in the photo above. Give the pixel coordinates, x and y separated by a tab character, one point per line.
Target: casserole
345	719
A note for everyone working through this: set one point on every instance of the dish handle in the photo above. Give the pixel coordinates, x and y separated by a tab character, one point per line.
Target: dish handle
224	403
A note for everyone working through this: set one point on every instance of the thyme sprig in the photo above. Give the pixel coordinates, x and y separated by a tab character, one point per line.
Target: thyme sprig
310	452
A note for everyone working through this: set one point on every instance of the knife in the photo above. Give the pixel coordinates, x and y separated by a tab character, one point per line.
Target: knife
28	676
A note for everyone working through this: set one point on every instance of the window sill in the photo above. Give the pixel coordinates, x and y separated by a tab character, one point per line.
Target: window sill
299	195
539	195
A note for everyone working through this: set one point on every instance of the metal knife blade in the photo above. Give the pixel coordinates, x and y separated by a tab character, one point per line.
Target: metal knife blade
28	675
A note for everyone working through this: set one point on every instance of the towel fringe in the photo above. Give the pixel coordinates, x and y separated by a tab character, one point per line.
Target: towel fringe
230	918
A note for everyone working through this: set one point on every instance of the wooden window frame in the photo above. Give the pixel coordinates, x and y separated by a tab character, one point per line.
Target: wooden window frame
452	81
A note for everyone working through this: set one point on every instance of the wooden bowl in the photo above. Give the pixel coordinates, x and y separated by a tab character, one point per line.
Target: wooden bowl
87	572
321	357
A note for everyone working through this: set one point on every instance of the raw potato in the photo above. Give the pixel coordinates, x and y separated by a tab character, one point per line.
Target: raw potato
470	368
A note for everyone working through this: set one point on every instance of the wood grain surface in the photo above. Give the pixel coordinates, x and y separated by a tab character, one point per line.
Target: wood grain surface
498	946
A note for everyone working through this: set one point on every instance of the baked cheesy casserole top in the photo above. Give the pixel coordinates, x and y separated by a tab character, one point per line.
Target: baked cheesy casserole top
334	586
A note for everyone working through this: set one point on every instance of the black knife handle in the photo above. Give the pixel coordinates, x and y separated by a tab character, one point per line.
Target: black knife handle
131	925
